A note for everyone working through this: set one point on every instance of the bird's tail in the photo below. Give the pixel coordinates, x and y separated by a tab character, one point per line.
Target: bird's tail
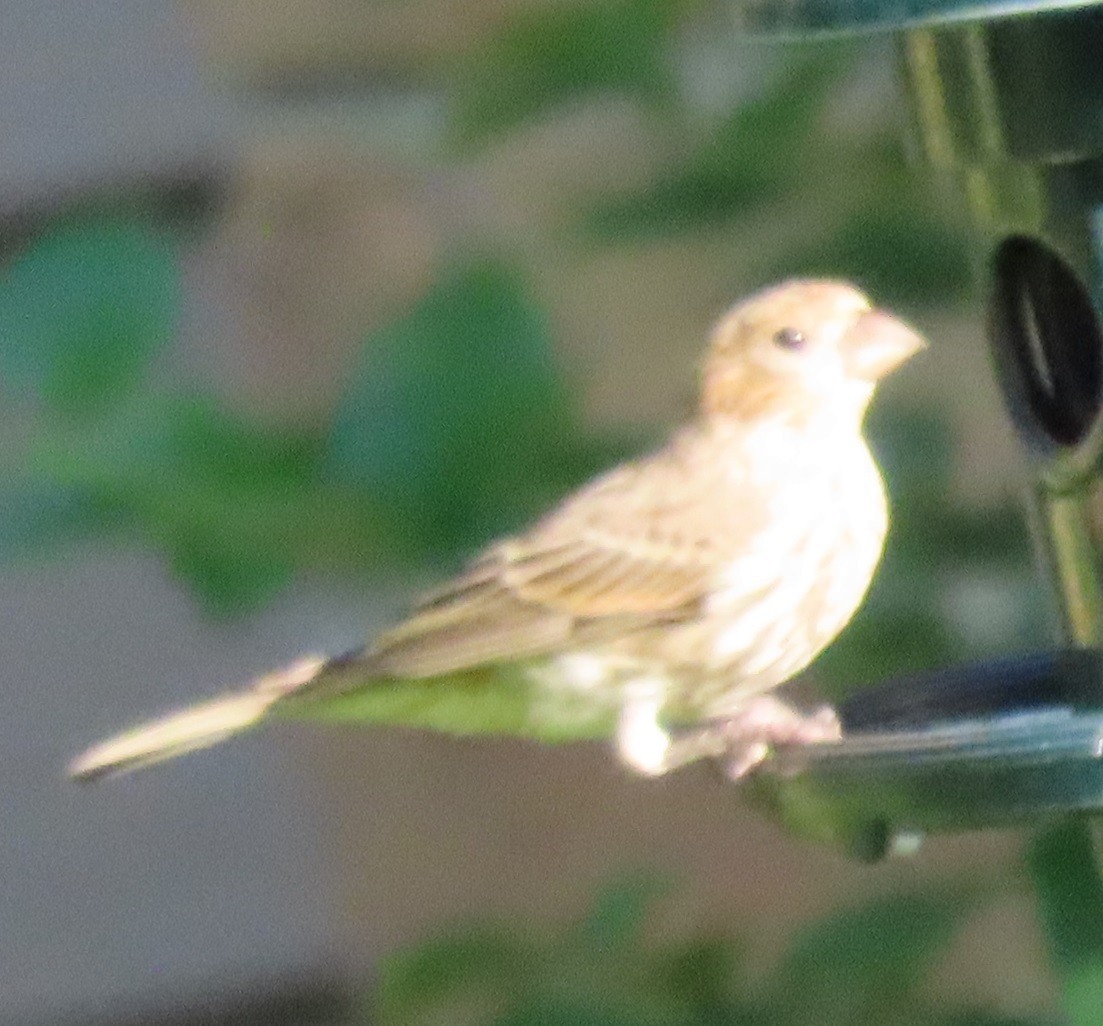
198	727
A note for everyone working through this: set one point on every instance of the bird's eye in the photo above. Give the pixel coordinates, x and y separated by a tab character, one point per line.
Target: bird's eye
789	338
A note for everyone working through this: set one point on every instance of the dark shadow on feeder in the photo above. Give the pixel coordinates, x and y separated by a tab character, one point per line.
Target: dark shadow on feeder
1046	340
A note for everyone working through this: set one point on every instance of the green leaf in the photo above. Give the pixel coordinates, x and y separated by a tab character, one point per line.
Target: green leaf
229	574
476	967
619	912
864	964
233	506
593	975
36	516
1064	864
978	1018
457	420
554	53
589	1009
703	972
83	311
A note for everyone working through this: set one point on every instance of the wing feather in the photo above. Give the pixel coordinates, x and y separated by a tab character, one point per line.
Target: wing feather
638	546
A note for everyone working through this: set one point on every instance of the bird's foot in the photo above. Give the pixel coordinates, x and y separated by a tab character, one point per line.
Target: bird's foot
762	723
643	743
741	740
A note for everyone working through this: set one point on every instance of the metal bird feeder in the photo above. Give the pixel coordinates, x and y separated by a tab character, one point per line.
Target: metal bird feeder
1006	102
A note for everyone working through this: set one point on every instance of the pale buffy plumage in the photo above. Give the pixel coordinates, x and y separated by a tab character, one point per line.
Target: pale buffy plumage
683	584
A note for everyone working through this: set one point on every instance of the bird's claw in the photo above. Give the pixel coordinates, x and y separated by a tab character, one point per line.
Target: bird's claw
756	728
741	741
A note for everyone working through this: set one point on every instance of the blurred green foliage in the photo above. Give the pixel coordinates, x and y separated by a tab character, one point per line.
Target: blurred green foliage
1065	868
868	215
457	418
456	426
557	54
755	155
83	312
866	964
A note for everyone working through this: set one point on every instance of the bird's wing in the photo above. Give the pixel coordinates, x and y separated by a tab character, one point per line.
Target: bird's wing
640	545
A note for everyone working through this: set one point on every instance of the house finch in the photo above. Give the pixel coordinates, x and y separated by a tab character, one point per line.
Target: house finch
676	589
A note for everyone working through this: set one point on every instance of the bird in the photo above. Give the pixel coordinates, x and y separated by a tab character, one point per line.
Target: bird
677	591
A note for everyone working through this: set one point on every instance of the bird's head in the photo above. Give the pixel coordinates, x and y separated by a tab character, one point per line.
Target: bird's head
801	349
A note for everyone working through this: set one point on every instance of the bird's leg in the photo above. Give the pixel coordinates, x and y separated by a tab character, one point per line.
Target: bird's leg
643	744
742	739
648	747
755	727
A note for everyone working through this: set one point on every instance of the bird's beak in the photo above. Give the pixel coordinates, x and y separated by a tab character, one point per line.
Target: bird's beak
877	344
